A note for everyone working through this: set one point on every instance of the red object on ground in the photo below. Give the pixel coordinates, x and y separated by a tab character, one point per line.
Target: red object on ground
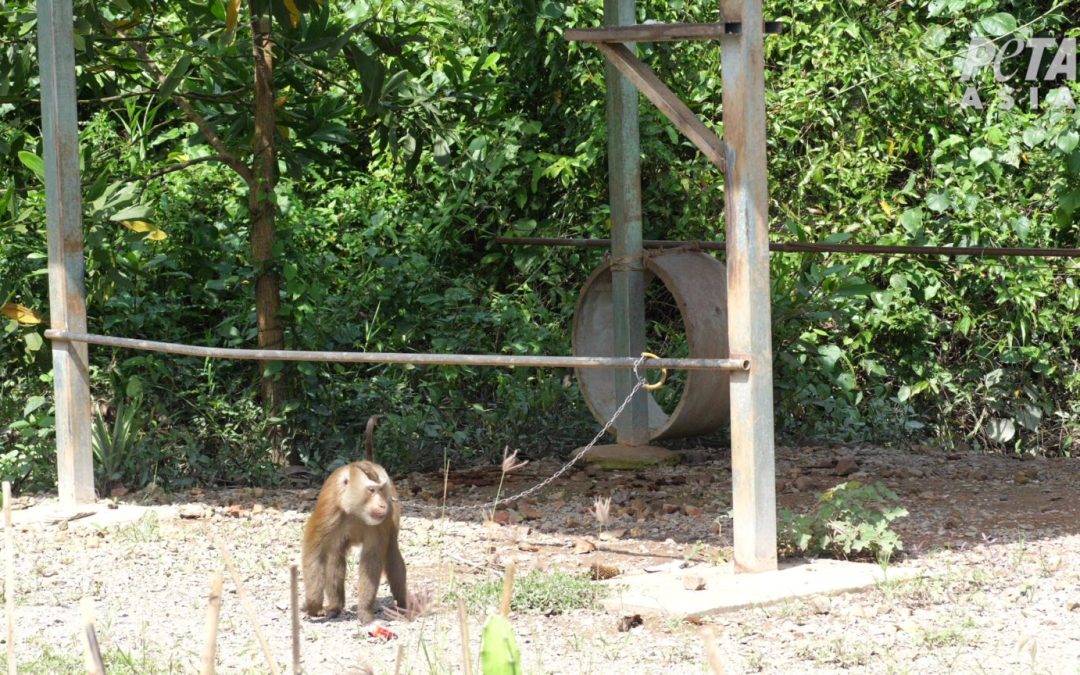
381	632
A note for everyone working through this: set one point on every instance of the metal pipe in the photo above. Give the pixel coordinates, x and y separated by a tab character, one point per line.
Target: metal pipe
798	247
734	363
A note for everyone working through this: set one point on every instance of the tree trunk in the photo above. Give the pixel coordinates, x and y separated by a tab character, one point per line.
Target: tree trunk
261	202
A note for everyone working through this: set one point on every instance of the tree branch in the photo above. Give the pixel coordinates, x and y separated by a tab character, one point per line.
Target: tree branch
182	165
224	154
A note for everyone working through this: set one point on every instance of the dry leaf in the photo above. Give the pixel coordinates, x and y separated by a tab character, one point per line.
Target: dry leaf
23	315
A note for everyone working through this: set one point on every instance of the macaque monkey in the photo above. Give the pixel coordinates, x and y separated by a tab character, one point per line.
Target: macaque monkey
357	506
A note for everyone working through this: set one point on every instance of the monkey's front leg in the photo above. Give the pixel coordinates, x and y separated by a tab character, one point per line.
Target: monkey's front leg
395	574
371	567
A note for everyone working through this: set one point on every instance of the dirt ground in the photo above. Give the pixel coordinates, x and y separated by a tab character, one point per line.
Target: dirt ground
996	540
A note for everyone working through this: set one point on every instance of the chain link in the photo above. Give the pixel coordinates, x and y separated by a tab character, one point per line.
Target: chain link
547	481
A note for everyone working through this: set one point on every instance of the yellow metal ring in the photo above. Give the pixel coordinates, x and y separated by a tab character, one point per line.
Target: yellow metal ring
663	374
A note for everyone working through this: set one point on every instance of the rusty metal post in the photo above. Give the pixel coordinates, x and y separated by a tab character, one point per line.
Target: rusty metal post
63	211
749	314
627	270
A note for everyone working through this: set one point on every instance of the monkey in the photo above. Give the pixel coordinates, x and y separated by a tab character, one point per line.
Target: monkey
357	506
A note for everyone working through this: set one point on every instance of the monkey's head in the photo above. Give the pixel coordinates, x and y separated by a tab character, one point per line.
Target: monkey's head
365	492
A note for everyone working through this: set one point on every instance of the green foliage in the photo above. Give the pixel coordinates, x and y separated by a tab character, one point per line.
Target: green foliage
549	592
410	135
850	521
114	448
499	653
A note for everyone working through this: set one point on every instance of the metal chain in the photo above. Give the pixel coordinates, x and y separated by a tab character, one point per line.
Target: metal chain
641	382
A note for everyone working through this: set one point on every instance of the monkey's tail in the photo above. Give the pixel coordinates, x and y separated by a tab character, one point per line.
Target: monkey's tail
369	432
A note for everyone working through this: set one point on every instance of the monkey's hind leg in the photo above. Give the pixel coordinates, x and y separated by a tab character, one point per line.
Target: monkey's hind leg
335	581
314	582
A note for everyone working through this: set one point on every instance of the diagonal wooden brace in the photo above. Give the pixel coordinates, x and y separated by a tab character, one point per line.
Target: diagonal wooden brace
646	81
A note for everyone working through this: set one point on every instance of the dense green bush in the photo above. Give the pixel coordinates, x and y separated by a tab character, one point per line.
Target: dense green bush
384	249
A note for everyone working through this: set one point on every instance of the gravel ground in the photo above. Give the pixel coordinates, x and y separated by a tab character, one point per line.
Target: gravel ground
996	540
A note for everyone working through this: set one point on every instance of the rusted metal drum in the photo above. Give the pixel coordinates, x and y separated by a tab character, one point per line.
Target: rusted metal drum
698	282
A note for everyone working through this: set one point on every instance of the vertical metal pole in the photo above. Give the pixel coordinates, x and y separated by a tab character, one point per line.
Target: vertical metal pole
748	287
63	211
627	269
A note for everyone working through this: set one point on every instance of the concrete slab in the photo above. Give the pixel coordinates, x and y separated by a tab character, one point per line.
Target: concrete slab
99	514
629	456
665	592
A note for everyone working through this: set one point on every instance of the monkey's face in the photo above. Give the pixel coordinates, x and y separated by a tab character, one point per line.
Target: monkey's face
365	498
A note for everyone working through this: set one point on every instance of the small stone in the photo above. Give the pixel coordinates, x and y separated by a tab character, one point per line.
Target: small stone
693	582
257	492
804	483
669	508
583	546
845	466
257	508
628	622
693	511
529	513
192	511
611	535
502	517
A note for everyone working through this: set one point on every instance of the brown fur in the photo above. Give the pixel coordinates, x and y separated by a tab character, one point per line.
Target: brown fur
357	506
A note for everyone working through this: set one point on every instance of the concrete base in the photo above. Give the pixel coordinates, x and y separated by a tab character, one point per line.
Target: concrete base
98	514
629	456
665	593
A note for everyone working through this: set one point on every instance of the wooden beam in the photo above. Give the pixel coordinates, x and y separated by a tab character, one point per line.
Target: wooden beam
666	101
647	32
628	269
746	195
661	32
63	213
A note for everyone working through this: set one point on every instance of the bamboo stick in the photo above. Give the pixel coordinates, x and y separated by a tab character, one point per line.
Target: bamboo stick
9	589
711	651
213	612
95	665
463	619
507	589
736	362
294	595
9	578
248	609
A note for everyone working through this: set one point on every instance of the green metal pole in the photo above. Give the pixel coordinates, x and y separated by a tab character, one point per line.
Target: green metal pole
627	270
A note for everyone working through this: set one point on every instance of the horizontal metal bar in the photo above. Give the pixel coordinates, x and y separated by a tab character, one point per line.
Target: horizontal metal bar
662	32
734	363
976	251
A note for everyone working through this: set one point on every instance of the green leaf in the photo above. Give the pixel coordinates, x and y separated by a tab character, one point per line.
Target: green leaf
33	162
912	220
33	404
175	76
937	202
1000	430
998	24
33	341
1033	136
133	212
1067	141
980	155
